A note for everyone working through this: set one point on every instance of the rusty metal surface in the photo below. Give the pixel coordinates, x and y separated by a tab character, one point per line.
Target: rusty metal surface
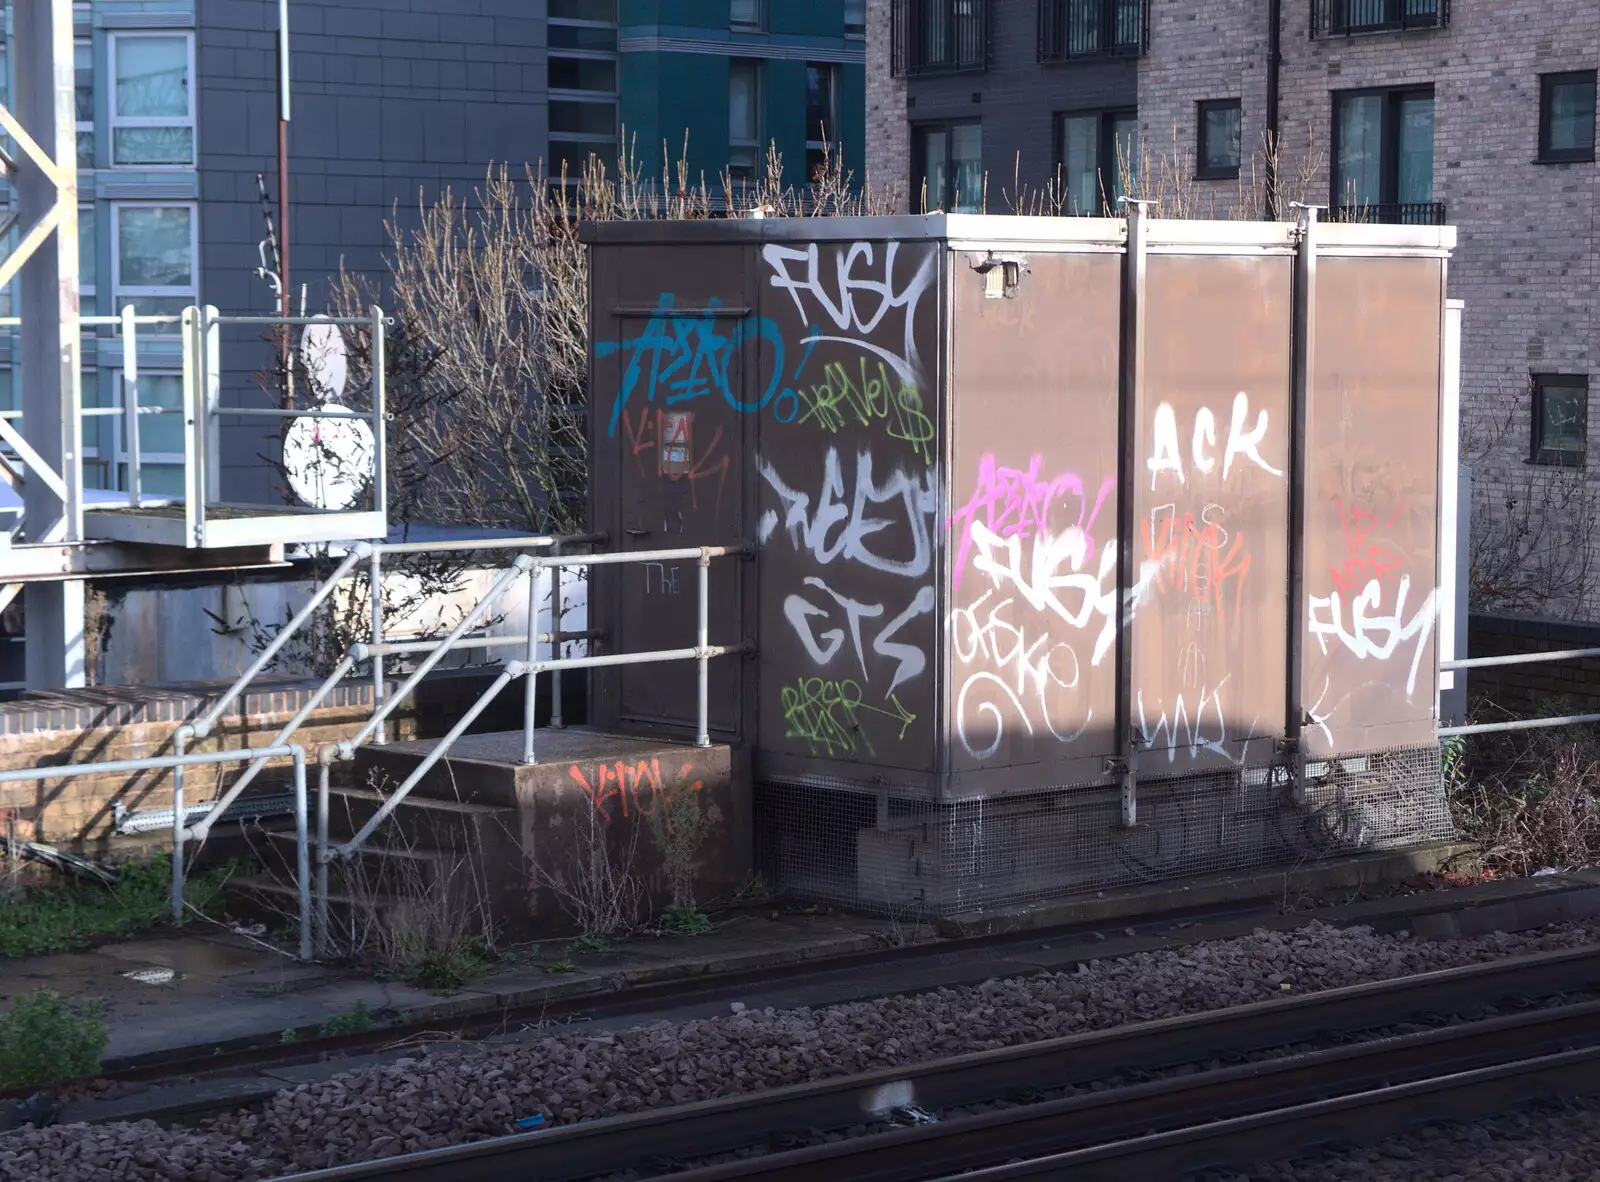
849	506
933	596
1032	524
678	357
1211	511
1372	503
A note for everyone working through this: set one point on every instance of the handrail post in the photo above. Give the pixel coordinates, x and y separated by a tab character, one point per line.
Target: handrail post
130	401
531	685
375	596
324	773
702	736
302	852
380	415
557	573
179	742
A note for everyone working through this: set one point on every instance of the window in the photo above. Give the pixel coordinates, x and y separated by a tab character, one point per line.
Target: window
1218	122
576	73
1340	18
1560	419
152	105
86	256
949	164
583	86
83	100
1092	28
744	119
750	15
939	36
1098	152
821	82
153	257
855	18
1566	116
1383	157
604	11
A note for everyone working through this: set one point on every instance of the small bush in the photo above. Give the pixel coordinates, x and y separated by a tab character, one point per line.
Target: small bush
44	1041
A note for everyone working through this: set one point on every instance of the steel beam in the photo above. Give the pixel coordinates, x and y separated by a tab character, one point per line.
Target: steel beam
46	180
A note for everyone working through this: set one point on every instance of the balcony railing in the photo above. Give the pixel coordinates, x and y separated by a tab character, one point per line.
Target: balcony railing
939	36
1405	213
1074	29
1341	18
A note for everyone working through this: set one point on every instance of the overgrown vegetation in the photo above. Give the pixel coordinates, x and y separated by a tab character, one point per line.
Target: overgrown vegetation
1530	800
44	1040
63	916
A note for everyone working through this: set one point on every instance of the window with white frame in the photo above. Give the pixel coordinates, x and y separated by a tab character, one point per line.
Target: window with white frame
152	99
154	257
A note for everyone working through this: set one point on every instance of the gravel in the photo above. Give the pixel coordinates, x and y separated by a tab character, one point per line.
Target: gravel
1551	1144
415	1104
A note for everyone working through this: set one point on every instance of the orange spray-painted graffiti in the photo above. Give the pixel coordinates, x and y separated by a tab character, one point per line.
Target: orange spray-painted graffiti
624	788
1200	557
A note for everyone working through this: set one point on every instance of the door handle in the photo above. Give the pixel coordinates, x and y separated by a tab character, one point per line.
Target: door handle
637	533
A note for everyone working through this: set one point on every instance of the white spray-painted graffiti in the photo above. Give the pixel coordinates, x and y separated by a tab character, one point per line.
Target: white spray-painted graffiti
1374	634
858	302
1166	456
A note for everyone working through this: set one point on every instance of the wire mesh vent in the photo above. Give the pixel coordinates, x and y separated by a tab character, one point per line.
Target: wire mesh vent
864	849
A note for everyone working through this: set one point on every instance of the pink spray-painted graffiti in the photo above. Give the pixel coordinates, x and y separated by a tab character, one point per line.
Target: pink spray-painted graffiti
1022	503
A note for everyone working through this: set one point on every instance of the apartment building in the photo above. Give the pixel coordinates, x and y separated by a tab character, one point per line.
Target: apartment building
1424	111
725	80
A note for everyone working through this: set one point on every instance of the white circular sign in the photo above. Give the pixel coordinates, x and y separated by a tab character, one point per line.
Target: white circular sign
322	352
328	461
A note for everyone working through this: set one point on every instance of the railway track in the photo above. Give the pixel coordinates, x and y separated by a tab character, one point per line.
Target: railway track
1209	1110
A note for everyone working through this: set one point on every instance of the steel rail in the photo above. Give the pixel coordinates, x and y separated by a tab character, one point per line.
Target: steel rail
1362	1118
1090	1121
691	1131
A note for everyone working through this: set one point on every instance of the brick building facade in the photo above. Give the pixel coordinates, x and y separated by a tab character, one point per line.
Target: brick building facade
1479	115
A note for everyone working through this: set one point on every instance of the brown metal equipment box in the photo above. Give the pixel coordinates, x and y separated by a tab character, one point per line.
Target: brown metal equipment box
1044	516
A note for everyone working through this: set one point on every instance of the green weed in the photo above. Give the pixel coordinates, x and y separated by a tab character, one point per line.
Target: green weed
685	919
44	1040
355	1020
72	915
564	965
589	942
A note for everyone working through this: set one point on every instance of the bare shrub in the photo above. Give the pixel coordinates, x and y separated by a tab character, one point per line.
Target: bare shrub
680	824
1530	800
596	886
1532	552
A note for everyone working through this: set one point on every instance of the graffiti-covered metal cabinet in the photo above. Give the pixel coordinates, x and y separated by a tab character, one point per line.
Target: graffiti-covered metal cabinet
1058	514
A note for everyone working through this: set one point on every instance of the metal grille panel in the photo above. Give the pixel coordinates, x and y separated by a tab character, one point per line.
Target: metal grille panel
846	844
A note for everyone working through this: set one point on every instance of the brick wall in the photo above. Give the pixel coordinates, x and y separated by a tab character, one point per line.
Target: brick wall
888	141
1204	49
1532	690
136	722
1017	100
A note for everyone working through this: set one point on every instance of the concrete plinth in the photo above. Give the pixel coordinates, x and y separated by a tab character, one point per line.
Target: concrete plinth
600	821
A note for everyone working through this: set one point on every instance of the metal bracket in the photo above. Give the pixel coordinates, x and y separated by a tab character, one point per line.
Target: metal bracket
1002	273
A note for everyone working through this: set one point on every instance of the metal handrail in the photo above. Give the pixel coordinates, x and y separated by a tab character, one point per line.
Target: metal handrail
1520	724
702	652
177	763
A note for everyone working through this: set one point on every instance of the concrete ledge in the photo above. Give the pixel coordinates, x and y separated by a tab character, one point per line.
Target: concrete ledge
1210	891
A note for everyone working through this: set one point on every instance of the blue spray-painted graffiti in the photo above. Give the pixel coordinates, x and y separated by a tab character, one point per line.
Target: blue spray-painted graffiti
679	357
